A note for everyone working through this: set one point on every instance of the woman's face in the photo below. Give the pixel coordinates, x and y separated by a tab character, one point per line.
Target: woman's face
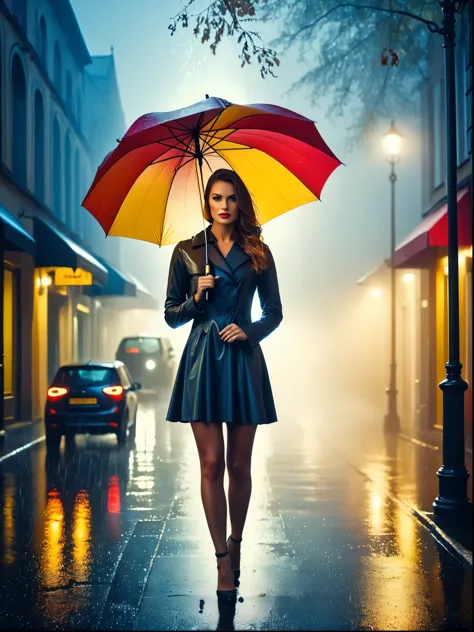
223	203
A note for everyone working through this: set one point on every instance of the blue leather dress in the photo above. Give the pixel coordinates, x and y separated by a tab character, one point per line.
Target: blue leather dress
218	381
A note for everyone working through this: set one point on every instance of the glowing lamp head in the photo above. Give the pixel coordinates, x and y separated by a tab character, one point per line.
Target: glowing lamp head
392	141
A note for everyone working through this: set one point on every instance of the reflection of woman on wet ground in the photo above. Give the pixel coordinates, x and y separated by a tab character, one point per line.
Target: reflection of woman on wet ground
222	376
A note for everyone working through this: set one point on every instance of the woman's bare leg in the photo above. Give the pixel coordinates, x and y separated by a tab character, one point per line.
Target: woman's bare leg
210	445
240	440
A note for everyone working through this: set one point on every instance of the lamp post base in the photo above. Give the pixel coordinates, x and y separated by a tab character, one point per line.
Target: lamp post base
392	420
391	423
452	499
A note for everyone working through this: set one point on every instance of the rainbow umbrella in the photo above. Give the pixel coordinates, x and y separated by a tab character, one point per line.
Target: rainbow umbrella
150	187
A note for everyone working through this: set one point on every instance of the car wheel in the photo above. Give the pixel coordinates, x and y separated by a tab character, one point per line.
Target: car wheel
53	441
133	427
122	431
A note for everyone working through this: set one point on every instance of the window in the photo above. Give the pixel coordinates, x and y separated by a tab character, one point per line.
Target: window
69	91
68	180
79	105
77	190
9	331
1	104
141	345
43	44
463	69
438	127
19	9
57	179
19	121
85	376
39	146
57	68
468	67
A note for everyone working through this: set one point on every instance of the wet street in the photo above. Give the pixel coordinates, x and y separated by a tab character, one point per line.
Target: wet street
106	538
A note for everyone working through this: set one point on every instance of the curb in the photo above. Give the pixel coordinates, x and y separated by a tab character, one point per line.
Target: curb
456	549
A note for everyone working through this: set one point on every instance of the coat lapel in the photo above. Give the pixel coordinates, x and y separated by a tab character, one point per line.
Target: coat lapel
235	258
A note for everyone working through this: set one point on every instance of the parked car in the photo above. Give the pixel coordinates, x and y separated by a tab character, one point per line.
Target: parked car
91	398
150	360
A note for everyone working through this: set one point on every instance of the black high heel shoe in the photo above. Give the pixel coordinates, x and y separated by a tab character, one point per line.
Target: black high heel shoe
236	572
229	596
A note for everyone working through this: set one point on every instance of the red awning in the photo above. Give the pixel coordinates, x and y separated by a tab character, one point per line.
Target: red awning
425	242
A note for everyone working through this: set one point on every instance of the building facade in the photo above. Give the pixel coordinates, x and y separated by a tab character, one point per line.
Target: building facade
421	258
60	113
423	253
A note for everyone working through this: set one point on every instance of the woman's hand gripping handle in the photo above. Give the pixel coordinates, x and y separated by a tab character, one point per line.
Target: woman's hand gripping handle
204	283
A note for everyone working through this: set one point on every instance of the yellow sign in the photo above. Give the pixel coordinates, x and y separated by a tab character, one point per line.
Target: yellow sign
68	276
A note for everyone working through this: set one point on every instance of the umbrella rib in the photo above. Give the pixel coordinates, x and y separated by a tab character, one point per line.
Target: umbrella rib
178	139
192	154
216	118
207	163
214	136
178	122
181	164
244	148
185	163
212	147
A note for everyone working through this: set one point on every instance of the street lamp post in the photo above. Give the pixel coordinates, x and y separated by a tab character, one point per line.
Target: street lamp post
392	143
452	498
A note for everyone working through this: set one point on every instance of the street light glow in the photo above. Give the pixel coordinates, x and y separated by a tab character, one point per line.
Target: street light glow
392	141
376	292
408	277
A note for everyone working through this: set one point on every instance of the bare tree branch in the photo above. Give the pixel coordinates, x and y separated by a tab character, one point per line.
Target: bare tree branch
343	43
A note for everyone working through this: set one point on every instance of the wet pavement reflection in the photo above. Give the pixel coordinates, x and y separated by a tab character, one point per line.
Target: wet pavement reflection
104	538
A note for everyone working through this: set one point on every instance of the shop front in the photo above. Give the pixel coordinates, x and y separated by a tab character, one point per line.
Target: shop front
17	248
60	323
425	248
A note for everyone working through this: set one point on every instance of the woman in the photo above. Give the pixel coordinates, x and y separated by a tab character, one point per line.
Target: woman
222	376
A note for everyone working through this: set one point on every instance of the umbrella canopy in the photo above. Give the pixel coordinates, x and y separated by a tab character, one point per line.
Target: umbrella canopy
150	186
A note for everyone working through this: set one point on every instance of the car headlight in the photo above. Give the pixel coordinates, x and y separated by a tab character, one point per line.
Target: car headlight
150	365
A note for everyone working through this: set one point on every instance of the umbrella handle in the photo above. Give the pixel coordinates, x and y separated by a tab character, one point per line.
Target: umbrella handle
208	271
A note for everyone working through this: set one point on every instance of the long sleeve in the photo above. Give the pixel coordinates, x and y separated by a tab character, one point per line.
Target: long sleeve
179	308
270	303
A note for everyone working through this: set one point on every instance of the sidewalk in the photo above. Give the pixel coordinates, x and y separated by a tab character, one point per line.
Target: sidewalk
19	436
404	468
407	484
326	547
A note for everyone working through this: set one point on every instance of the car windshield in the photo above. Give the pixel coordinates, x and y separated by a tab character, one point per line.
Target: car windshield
84	376
141	345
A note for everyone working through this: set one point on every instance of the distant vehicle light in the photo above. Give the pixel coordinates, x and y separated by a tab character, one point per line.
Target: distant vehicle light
115	392
132	350
56	392
150	365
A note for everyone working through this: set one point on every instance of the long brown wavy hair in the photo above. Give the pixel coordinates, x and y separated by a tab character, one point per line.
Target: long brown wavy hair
247	230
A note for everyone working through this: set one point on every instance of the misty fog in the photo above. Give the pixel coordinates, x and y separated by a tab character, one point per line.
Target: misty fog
328	360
